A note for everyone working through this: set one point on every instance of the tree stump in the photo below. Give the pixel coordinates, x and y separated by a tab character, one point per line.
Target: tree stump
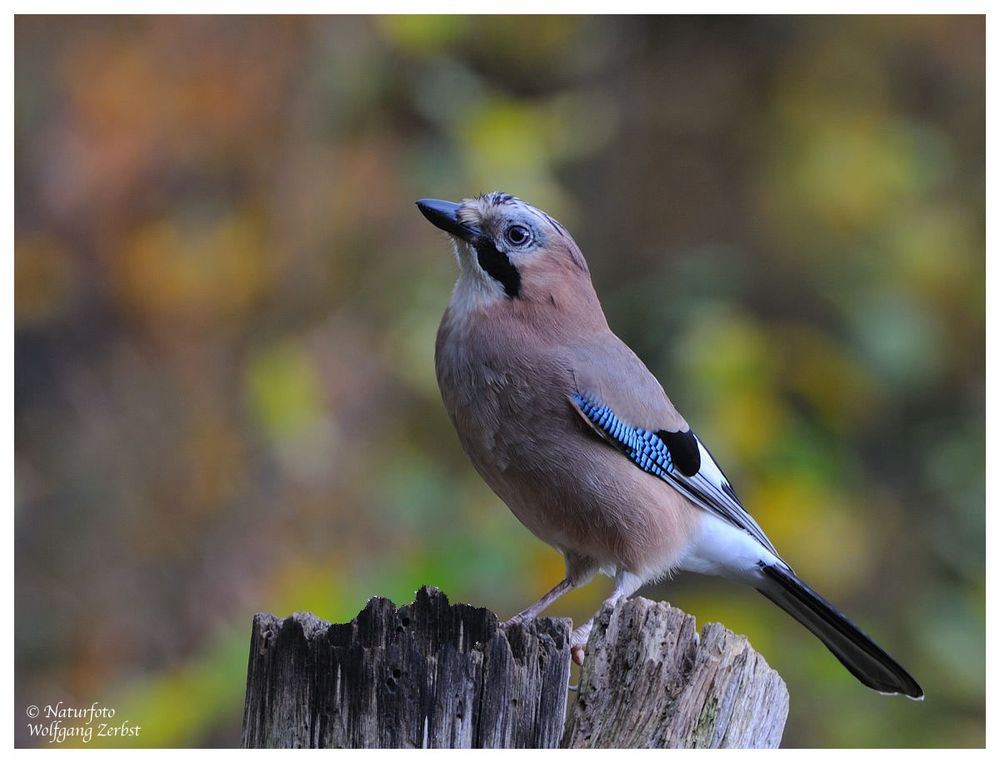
430	674
648	680
424	675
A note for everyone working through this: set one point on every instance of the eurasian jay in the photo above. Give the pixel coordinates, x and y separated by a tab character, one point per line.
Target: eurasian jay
572	431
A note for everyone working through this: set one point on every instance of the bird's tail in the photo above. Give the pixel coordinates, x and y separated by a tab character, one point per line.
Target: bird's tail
863	657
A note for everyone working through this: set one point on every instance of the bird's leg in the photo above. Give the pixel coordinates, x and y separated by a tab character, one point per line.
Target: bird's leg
579	570
543	603
626	584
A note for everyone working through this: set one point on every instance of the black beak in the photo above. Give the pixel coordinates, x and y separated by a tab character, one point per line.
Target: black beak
444	214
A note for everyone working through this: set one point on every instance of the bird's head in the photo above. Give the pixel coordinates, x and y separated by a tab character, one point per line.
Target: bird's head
510	252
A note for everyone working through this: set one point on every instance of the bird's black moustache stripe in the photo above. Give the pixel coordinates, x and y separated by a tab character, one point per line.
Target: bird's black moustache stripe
499	266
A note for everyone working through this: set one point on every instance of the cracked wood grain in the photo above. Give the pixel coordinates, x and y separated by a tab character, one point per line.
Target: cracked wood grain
649	680
427	674
432	674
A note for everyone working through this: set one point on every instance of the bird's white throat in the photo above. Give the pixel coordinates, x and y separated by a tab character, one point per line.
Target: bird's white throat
475	289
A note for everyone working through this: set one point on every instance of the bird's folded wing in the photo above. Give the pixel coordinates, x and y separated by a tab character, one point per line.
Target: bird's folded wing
674	454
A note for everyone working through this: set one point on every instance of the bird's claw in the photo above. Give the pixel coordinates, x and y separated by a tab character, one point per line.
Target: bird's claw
578	641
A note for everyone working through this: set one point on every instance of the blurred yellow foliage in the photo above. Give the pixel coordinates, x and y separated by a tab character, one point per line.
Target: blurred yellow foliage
195	277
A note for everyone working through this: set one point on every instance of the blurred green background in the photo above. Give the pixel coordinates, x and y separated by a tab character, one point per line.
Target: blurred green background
226	305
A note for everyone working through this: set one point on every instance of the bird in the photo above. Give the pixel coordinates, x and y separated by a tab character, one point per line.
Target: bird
577	437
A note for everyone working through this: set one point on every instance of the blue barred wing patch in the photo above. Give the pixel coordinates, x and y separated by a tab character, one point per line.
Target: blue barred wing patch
644	448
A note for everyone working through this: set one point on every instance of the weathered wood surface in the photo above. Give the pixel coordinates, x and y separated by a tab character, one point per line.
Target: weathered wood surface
424	675
430	674
649	681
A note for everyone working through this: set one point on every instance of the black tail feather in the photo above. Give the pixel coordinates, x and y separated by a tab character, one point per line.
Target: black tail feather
866	660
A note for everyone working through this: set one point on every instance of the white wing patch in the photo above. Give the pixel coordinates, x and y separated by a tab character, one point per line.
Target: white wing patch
711	490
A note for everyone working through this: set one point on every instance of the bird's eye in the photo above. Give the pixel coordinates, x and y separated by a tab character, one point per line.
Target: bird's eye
518	235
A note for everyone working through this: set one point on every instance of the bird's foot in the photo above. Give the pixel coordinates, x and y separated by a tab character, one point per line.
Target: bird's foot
578	642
